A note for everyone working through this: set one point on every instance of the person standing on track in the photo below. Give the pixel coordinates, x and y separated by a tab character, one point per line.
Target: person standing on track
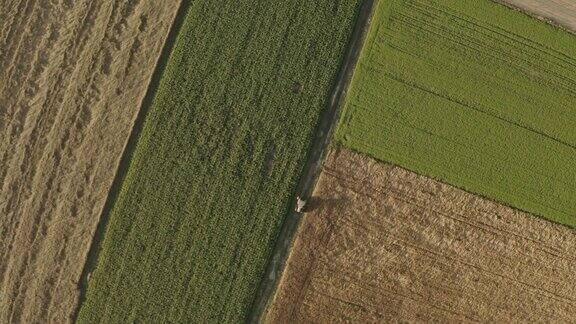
300	204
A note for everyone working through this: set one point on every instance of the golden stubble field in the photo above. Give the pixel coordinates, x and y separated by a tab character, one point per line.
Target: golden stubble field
72	78
384	244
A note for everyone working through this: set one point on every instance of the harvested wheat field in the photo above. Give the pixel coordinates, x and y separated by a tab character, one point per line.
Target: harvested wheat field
561	12
384	244
72	78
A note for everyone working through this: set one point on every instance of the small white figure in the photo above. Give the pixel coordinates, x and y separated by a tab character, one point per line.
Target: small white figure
300	204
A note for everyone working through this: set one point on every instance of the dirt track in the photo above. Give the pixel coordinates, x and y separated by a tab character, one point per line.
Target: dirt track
313	165
561	12
72	78
383	244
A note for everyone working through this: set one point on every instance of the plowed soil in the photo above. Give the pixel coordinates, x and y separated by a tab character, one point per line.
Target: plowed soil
72	78
561	12
381	244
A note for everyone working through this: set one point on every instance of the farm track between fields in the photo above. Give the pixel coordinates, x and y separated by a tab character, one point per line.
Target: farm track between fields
314	163
72	76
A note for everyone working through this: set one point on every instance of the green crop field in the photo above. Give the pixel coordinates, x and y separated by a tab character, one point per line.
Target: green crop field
474	94
216	165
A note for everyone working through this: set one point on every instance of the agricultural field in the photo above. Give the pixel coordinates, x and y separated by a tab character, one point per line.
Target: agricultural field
72	77
214	170
151	153
473	94
383	244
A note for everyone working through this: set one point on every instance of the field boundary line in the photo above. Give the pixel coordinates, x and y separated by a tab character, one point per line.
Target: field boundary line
313	166
552	21
127	154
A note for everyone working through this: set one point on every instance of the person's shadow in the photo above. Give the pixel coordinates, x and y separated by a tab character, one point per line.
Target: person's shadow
315	203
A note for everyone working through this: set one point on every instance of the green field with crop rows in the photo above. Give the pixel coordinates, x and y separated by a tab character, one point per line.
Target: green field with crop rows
471	93
216	165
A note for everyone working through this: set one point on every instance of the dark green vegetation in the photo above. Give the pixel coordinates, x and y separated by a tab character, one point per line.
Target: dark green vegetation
217	161
471	93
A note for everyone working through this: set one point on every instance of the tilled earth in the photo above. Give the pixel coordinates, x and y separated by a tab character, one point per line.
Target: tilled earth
381	244
72	78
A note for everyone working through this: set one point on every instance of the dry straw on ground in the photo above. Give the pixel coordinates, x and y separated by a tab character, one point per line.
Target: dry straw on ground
384	244
72	78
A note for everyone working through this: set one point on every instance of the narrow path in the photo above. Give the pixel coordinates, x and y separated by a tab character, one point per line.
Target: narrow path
313	166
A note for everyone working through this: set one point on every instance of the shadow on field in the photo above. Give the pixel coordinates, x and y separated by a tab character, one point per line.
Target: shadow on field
316	203
93	253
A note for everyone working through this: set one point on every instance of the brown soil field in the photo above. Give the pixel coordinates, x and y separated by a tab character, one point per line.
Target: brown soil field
382	244
561	12
73	75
